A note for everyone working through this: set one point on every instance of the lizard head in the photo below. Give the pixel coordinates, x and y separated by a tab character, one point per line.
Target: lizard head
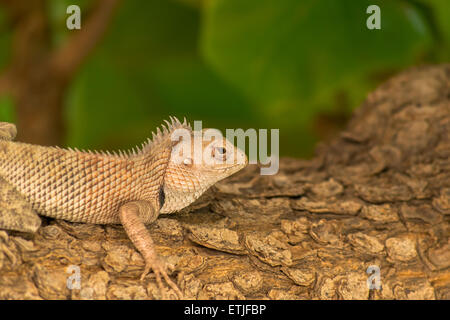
199	159
214	156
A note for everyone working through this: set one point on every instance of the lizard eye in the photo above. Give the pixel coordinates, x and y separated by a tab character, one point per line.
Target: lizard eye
187	162
219	152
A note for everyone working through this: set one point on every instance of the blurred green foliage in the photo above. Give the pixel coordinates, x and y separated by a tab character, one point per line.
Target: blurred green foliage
286	64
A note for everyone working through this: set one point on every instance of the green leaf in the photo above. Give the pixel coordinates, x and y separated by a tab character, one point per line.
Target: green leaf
437	14
292	57
7	112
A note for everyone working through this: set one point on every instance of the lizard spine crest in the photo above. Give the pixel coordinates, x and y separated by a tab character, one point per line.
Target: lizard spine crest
161	136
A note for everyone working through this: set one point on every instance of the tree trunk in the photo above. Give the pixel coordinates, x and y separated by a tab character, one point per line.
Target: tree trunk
373	205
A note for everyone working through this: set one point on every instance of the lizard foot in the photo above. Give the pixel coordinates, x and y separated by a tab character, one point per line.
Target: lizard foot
160	269
130	216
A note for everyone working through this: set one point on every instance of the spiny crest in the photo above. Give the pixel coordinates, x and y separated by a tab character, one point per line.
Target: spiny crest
120	154
161	135
164	134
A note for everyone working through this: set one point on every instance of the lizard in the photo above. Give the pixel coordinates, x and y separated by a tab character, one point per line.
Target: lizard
129	188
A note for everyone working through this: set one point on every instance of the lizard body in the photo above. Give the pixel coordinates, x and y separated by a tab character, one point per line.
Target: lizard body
130	188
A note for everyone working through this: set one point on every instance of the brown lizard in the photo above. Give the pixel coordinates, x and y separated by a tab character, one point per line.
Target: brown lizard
130	188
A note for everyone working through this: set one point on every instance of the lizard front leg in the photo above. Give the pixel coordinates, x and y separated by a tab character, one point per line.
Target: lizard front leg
132	216
15	212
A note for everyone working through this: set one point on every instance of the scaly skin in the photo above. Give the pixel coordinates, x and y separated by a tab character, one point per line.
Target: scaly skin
95	187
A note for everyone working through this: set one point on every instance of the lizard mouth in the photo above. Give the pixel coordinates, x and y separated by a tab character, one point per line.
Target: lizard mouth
232	166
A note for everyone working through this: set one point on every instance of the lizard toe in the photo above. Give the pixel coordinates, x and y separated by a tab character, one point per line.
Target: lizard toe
160	270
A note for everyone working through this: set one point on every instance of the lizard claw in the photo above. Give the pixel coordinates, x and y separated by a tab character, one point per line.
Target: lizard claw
160	269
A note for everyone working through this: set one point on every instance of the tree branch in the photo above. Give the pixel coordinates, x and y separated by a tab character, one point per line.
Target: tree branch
66	59
5	84
30	40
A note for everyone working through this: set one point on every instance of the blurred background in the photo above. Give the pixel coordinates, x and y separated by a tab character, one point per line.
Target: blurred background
298	65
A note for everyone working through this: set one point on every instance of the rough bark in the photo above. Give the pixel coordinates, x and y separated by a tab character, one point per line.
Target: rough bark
378	195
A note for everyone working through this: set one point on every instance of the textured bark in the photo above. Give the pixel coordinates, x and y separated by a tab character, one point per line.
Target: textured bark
378	195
